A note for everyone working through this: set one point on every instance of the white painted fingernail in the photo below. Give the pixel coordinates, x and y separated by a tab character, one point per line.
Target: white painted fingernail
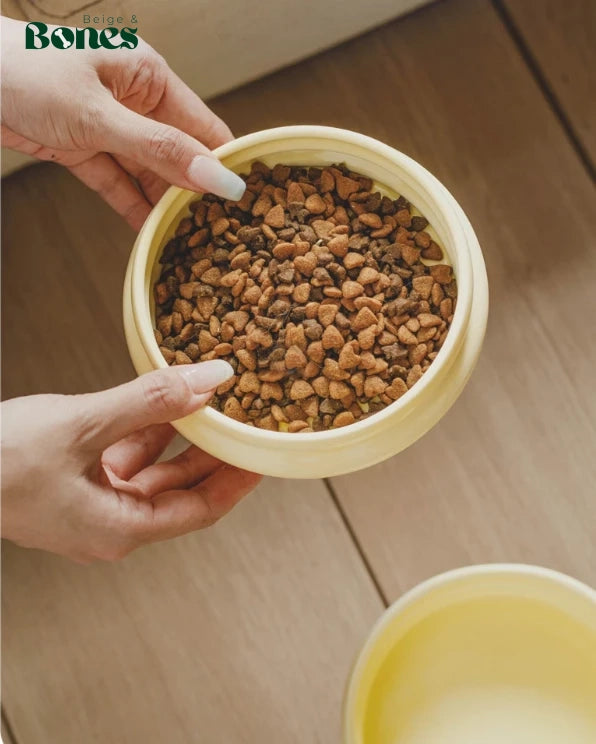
206	376
208	174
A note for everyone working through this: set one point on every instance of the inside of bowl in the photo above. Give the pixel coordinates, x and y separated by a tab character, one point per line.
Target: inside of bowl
491	670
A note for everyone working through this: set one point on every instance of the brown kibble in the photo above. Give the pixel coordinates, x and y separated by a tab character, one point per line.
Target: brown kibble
237	319
371	220
366	338
406	336
363	319
247	358
338	389
423	285
353	260
275	217
315	352
352	289
211	276
428	320
343	419
338	245
295	194
368	275
219	226
403	217
206	341
332	338
417	353
249	382
414	375
345	186
333	371
301	389
315	204
301	293
397	388
182	358
433	252
348	359
410	254
306	264
271	391
223	349
327	181
326	314
446	308
321	387
233	409
284	250
374	385
441	273
296	426
294	358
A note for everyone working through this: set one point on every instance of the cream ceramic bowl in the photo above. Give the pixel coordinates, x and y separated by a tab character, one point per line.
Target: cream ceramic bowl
489	654
386	433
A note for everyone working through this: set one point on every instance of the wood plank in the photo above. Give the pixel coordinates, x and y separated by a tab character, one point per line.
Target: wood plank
509	475
561	37
241	633
64	257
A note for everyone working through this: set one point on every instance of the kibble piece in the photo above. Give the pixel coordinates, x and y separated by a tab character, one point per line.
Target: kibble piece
348	359
364	318
315	204
301	389
332	338
352	289
295	358
344	419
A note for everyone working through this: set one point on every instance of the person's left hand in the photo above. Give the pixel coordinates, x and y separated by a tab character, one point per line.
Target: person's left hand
113	118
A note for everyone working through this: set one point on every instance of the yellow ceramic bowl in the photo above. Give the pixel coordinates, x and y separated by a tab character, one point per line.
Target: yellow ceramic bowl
495	654
386	433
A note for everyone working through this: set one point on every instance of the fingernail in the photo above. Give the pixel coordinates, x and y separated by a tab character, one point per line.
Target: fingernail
206	376
208	174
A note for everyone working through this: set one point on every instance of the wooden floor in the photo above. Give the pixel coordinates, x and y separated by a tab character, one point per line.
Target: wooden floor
245	633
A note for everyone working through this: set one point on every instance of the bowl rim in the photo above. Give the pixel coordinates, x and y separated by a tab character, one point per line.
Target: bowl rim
426	587
436	193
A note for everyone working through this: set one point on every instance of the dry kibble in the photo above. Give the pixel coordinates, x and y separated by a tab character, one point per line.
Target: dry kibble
315	288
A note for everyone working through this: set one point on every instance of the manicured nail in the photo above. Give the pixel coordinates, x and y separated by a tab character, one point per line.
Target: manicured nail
206	376
208	174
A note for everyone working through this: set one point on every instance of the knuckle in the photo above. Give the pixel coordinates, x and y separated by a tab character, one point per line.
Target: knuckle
164	393
167	145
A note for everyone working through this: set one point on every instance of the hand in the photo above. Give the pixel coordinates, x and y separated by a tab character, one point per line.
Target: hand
79	473
111	116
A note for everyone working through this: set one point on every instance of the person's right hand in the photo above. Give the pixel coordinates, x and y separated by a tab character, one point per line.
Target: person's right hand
110	116
79	476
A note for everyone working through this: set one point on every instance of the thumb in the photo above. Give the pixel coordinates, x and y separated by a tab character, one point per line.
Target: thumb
174	155
155	398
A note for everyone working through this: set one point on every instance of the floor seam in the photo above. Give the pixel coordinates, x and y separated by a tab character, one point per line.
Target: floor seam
542	82
356	542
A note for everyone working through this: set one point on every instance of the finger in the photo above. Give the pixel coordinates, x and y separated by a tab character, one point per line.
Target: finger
151	184
179	512
183	471
181	107
172	154
155	398
138	450
105	176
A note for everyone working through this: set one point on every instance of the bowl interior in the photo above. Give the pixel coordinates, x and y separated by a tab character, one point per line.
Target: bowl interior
490	664
393	173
